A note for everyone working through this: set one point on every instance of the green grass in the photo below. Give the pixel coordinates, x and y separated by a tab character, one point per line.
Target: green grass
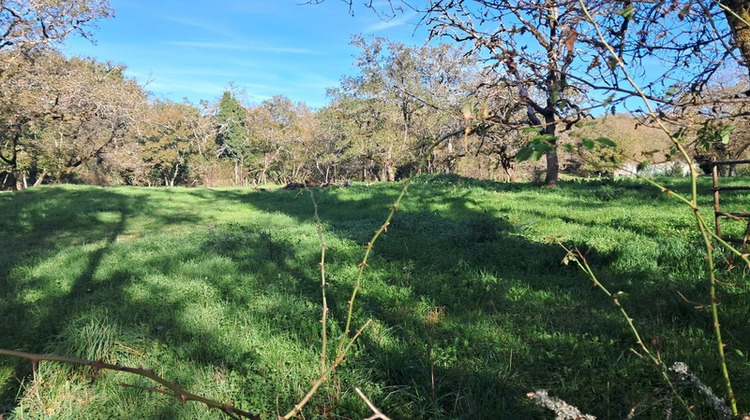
219	290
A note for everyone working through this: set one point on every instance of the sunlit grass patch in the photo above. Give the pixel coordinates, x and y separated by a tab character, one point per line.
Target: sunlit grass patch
471	304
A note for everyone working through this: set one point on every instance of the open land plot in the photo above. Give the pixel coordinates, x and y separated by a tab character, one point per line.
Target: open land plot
471	306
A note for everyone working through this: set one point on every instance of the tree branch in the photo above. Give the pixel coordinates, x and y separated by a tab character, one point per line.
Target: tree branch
167	387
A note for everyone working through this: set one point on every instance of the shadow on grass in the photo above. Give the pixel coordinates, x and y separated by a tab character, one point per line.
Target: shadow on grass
35	223
53	274
476	269
470	313
500	293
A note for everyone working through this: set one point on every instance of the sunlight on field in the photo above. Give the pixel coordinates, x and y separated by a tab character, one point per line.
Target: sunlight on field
471	306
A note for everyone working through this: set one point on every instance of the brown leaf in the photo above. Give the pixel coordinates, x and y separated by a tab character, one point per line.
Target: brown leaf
595	63
570	40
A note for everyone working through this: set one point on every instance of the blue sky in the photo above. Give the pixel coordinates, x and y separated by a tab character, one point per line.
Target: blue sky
194	49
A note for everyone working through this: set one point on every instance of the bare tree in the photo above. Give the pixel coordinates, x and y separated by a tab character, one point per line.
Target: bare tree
26	28
27	24
59	114
679	51
531	47
549	53
405	99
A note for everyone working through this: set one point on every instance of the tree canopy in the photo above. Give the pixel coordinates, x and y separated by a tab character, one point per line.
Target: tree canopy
27	24
552	55
498	83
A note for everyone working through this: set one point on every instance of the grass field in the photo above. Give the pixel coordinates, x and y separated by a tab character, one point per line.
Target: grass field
471	307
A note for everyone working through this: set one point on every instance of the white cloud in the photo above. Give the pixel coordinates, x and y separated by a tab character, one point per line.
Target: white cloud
203	26
389	24
208	45
287	50
241	46
186	88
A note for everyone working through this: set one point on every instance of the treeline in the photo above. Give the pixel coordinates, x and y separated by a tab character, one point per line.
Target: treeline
406	112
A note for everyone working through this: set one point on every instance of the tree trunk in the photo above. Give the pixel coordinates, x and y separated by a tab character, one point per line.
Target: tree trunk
390	172
548	127
236	172
174	174
738	17
553	164
40	179
17	179
12	161
553	169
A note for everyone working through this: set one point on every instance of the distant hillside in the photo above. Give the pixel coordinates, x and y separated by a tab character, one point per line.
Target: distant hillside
637	143
638	146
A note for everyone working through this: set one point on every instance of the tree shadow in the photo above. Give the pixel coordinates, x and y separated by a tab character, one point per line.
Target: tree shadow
37	308
515	284
420	266
459	295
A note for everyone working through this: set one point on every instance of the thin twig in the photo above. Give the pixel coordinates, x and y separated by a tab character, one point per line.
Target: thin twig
377	413
170	388
575	255
710	232
706	234
368	249
345	343
323	377
323	287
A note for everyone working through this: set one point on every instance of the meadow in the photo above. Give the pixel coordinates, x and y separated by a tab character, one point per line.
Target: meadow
470	302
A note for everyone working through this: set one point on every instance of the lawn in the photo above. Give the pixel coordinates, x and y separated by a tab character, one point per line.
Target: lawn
471	306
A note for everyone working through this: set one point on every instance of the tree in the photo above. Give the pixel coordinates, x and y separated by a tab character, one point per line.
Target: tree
364	131
500	146
28	24
737	13
528	47
168	141
403	100
550	52
232	136
282	133
695	44
27	27
329	149
722	131
58	115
